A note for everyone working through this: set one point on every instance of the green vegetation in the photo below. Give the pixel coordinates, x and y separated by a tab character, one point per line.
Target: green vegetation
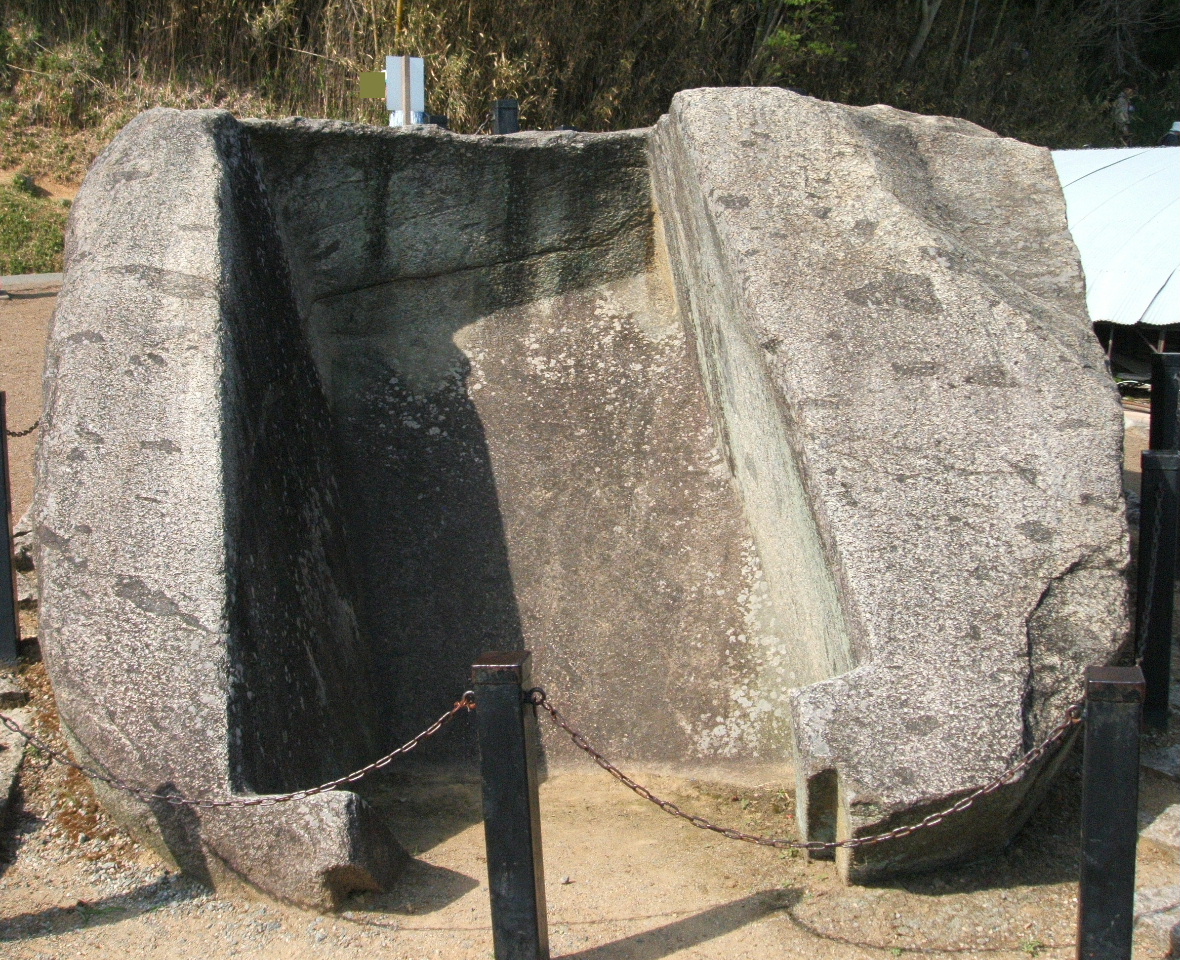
31	230
72	72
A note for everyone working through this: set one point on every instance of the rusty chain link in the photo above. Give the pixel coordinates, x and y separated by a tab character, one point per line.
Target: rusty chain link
538	697
466	702
1073	716
23	433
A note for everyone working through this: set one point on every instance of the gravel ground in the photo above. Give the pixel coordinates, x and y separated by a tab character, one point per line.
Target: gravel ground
624	882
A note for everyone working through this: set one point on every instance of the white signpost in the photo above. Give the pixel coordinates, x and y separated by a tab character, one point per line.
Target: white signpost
405	90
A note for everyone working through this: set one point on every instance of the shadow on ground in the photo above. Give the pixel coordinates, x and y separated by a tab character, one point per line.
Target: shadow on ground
1046	851
34	295
692	931
680	934
897	950
422	888
425	804
54	921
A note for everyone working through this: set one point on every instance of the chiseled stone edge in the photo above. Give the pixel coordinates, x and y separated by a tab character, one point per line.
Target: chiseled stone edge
137	611
833	800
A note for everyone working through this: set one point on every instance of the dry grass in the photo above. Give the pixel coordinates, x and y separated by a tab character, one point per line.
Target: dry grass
73	72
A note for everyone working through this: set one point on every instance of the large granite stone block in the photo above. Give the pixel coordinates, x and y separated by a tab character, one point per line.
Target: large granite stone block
889	313
331	410
196	615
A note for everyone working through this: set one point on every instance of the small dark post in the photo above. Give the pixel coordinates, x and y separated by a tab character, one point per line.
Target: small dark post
1165	401
9	619
1110	809
508	749
507	118
1159	523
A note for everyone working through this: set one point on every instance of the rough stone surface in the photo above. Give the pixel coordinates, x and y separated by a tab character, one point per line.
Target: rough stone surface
1158	907
24	563
195	615
331	410
1163	832
522	437
12	751
271	513
889	313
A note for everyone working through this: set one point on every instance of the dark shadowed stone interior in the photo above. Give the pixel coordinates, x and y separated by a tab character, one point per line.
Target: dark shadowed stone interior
521	438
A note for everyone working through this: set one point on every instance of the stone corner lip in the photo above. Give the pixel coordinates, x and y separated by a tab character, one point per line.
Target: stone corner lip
524	139
31	281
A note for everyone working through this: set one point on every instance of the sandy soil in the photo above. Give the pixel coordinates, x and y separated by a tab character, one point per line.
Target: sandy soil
624	881
1135	440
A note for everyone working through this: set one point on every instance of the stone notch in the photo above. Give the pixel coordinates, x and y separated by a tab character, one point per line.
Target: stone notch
196	615
889	312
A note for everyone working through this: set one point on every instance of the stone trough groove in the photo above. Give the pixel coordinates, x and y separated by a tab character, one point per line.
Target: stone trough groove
776	432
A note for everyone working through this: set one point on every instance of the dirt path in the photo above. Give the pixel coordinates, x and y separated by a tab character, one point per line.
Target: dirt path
24	330
624	881
44	188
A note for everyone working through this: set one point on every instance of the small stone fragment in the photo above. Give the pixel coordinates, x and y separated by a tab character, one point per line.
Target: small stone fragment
1163	832
1158	907
23	561
1165	760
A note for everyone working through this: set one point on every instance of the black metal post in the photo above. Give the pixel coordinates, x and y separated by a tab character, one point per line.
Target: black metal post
509	750
1159	523
1165	401
1110	809
507	116
9	618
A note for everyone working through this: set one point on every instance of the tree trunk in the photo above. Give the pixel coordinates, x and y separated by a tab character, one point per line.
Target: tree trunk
970	34
929	12
996	31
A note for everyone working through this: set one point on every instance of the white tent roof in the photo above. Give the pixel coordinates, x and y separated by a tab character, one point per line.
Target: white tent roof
1123	208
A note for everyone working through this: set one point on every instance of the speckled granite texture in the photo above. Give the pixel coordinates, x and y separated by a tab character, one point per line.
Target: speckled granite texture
890	314
776	432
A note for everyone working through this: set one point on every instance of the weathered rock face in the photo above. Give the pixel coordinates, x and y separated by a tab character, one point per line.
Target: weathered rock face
196	615
332	410
889	313
521	435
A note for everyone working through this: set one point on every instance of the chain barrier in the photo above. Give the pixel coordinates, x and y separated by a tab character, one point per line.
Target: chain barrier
23	433
466	702
1073	716
538	697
